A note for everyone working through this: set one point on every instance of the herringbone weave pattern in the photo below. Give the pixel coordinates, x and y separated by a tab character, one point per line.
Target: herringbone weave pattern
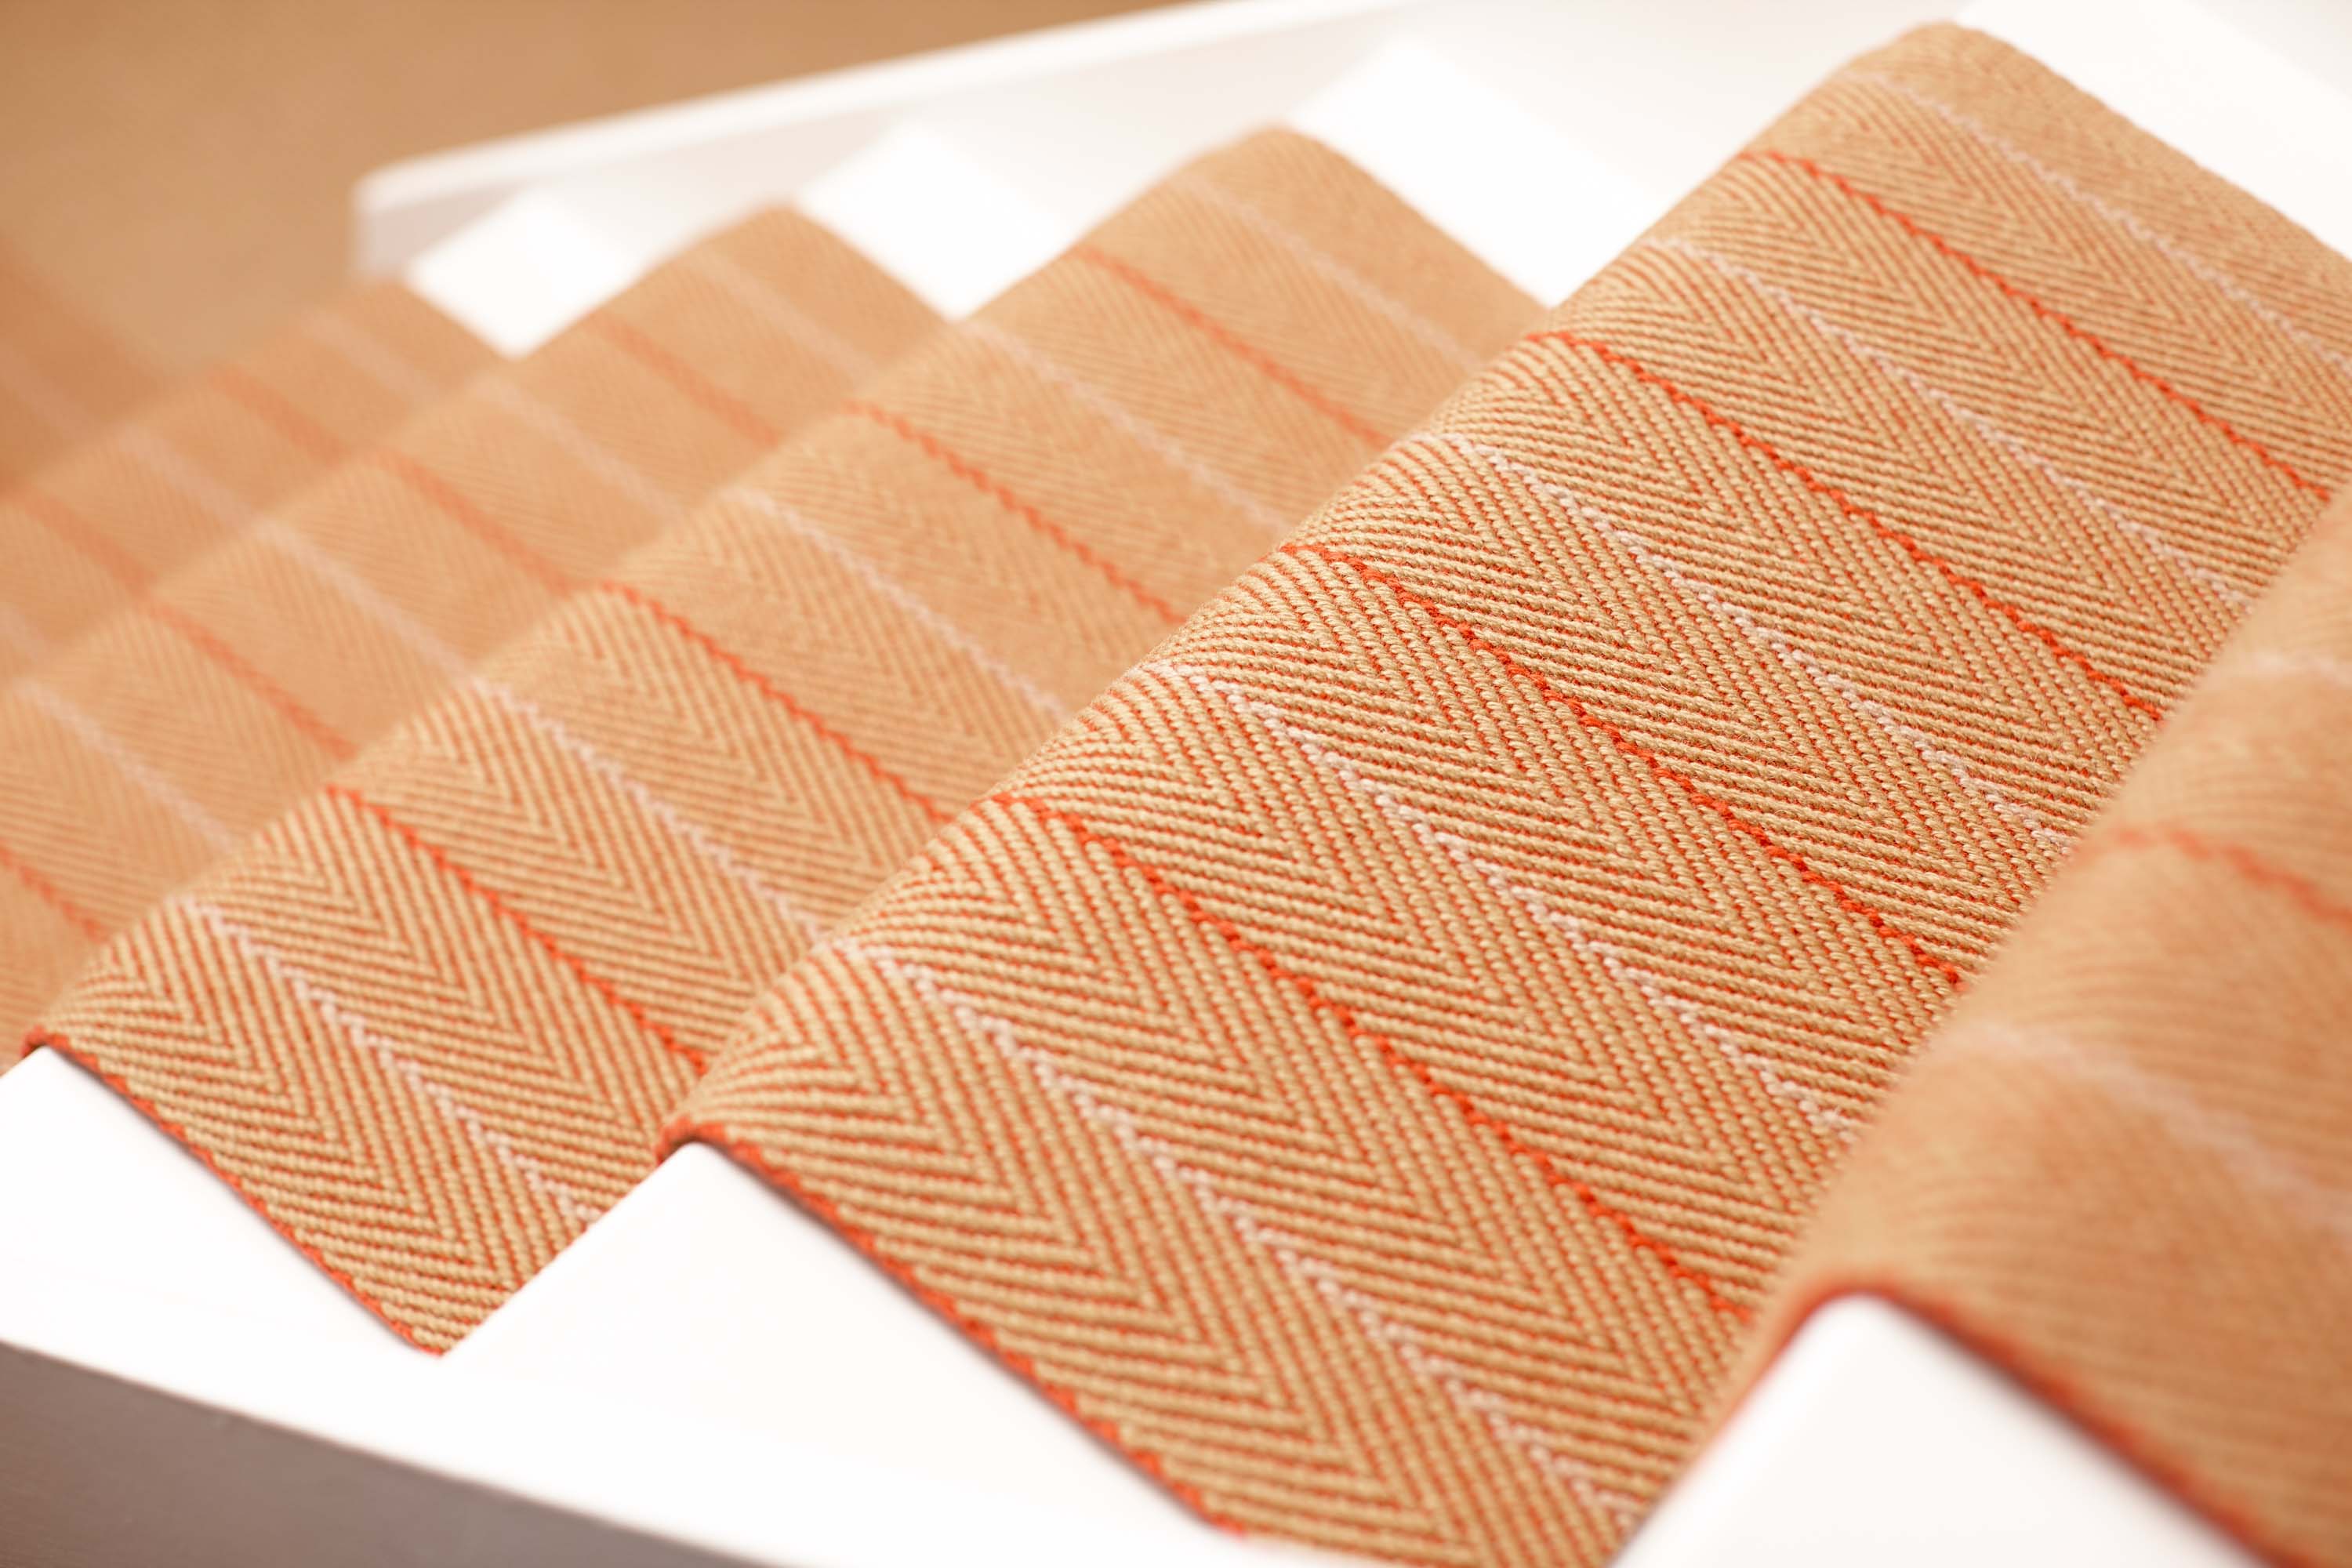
62	377
163	736
85	533
2120	1168
1370	1064
431	1021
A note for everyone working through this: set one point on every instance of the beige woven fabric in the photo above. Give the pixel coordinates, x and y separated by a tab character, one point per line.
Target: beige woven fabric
1368	1066
430	1022
91	529
2123	1169
63	378
149	748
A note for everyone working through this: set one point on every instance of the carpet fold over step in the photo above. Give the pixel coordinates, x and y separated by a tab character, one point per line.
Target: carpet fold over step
1371	1064
1813	767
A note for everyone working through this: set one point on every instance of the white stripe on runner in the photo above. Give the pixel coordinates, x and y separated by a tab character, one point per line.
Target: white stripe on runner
98	739
1289	1251
749	289
290	542
2282	667
1877	714
589	452
1977	425
1464	857
1042	702
372	358
1143	434
2129	222
704	843
2175	1108
356	1032
1333	270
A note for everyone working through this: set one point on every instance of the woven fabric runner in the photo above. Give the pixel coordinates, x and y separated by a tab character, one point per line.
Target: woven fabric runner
431	1021
1368	1066
157	741
63	378
2122	1169
84	534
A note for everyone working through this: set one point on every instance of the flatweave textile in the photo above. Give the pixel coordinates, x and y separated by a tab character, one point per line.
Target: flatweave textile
83	534
2120	1168
1368	1066
158	740
430	1021
63	377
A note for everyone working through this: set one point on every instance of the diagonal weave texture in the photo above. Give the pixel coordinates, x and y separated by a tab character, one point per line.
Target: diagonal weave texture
84	534
2123	1169
1368	1066
62	378
431	1021
161	738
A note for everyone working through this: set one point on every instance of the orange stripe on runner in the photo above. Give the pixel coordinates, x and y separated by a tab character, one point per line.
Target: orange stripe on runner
1848	507
282	702
1272	369
1618	737
2048	312
973	475
1354	1027
737	666
448	865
